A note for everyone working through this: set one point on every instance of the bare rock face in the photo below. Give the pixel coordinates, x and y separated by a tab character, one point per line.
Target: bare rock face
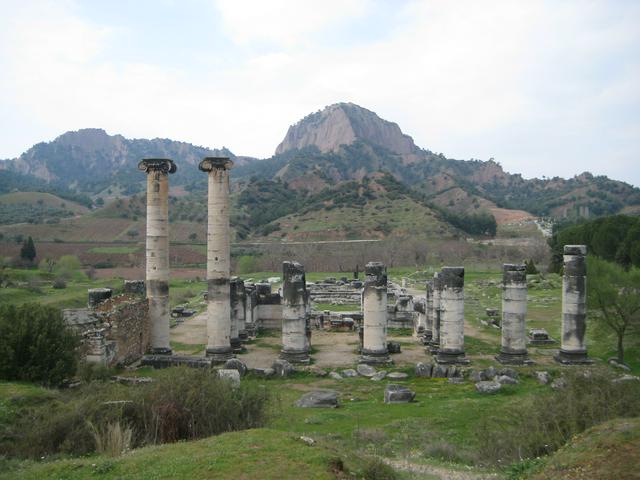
343	124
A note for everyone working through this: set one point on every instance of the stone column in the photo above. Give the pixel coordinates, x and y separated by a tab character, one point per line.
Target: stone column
295	342
428	329
250	313
218	259
236	306
573	348
157	275
452	317
514	311
436	313
374	342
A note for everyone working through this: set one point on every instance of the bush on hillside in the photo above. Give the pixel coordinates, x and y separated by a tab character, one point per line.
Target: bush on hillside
36	344
181	404
545	422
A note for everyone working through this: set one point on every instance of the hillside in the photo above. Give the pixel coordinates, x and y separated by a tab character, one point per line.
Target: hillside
36	207
90	160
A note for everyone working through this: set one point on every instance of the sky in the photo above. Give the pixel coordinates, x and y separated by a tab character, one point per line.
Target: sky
545	87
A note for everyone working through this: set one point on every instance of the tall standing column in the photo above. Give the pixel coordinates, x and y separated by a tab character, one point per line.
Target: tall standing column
374	342
158	170
436	313
218	259
428	329
236	293
251	299
452	321
573	348
513	349
295	342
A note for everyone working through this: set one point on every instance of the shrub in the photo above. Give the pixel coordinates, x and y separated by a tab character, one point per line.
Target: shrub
181	404
59	283
36	344
547	421
378	470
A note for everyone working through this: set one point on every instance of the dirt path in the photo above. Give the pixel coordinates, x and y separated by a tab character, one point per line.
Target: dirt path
442	473
331	349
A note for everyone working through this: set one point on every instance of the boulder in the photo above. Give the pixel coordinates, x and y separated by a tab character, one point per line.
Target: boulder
398	394
317	371
335	375
349	373
318	399
509	372
263	372
366	370
235	364
488	373
397	376
423	369
231	375
487	386
379	376
506	380
282	368
475	376
543	377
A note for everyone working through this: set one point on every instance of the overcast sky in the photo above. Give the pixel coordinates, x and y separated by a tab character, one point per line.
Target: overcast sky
546	88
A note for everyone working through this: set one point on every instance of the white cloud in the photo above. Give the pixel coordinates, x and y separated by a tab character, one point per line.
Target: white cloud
546	88
283	22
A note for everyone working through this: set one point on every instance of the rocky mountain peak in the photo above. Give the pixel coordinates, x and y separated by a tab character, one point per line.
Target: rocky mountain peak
343	124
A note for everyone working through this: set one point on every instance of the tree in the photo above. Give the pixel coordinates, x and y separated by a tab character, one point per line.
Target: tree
28	250
36	344
615	293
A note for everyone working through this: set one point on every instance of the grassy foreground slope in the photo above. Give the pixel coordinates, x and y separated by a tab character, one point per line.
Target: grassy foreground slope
260	453
607	451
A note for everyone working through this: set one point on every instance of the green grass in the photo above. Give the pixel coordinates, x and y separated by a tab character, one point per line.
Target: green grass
248	454
189	348
347	307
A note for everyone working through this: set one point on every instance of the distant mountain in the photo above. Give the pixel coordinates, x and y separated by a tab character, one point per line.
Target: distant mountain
89	159
345	142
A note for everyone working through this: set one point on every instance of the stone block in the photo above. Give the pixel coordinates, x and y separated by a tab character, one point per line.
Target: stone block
423	369
366	370
398	394
488	387
318	399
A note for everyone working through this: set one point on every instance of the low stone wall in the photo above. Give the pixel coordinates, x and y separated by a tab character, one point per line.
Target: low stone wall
114	332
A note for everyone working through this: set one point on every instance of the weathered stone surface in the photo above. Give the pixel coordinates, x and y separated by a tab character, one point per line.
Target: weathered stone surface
263	372
475	376
614	363
366	370
98	295
398	394
349	373
453	371
393	347
134	287
282	368
488	387
488	373
235	364
379	376
423	369
509	372
543	377
318	399
506	380
317	371
397	376
231	375
626	378
335	375
166	361
559	384
439	371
